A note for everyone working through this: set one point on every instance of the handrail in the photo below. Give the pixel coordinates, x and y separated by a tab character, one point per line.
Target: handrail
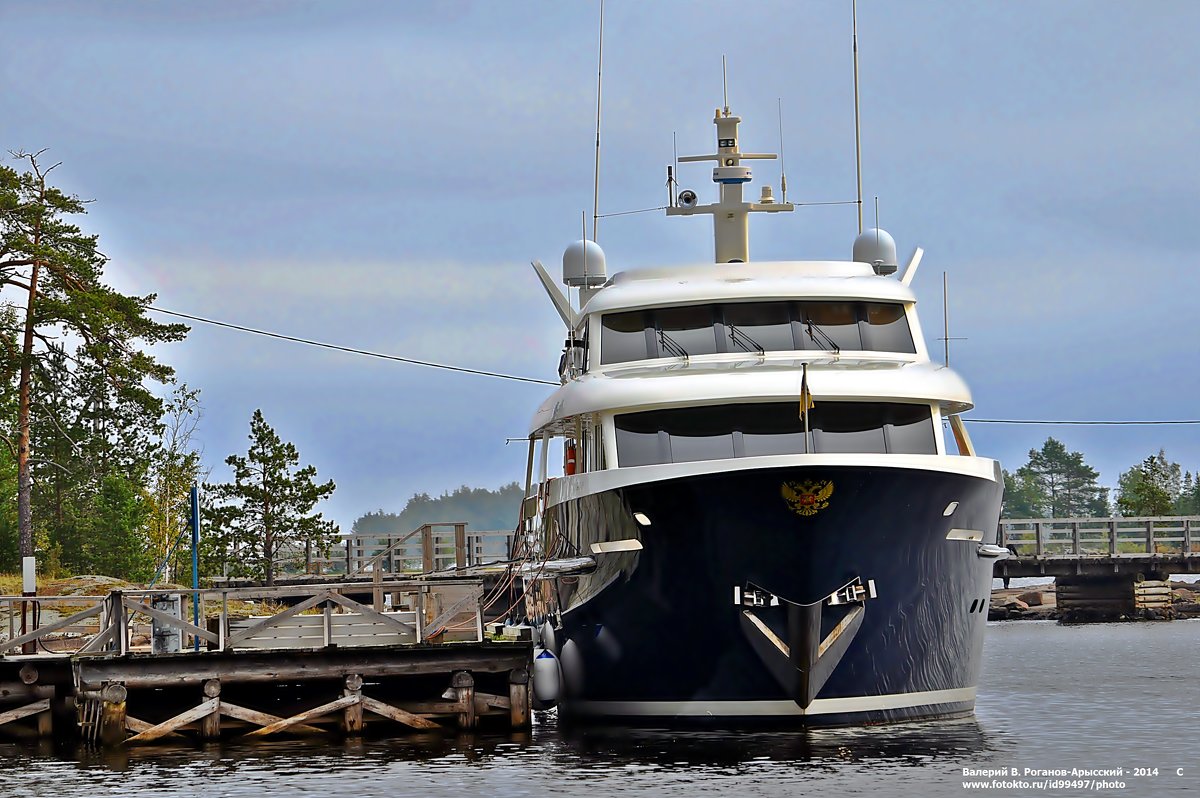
119	610
1076	538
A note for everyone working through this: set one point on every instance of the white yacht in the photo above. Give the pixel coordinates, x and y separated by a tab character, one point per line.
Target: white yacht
741	504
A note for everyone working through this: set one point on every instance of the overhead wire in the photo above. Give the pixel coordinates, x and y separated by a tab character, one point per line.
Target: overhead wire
353	350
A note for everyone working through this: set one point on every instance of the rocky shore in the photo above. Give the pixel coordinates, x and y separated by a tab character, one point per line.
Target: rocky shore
1039	603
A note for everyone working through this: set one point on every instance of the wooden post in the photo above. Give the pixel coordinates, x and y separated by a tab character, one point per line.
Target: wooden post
1041	544
1187	536
1075	539
377	588
1150	537
518	698
460	545
427	551
112	715
327	625
464	690
352	716
210	725
1112	537
45	720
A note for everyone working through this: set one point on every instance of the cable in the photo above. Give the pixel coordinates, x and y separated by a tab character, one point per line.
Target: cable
1080	423
352	350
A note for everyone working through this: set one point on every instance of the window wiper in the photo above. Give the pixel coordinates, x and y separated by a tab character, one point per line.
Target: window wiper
745	341
671	346
821	338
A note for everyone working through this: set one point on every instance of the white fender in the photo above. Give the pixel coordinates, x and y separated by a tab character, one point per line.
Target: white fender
547	679
548	639
572	669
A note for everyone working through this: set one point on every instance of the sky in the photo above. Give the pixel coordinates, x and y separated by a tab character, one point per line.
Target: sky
379	175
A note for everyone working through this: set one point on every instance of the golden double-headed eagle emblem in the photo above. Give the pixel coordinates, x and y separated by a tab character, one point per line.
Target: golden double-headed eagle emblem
808	497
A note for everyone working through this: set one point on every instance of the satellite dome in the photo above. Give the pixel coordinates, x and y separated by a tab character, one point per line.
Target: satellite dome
583	265
876	247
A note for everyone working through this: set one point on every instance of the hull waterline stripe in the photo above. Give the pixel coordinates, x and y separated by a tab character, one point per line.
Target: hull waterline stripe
821	706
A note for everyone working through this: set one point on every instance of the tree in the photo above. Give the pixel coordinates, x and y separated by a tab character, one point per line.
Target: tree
68	315
1188	502
1150	488
268	507
175	465
1056	483
1023	498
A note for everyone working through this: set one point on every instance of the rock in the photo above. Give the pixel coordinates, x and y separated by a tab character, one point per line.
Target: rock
1017	604
1183	596
1033	598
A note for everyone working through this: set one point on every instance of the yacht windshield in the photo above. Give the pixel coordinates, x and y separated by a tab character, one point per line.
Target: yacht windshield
755	327
716	432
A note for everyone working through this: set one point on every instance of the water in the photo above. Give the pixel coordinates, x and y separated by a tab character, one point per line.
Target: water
1098	696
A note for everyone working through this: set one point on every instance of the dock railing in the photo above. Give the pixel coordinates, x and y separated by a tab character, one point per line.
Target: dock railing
1072	538
400	612
427	549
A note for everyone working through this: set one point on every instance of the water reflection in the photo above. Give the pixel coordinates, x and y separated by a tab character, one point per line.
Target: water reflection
670	748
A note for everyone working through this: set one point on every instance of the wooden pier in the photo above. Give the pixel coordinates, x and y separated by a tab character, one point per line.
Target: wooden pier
1104	568
128	668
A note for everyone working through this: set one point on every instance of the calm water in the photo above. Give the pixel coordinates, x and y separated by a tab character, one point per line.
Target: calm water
1102	696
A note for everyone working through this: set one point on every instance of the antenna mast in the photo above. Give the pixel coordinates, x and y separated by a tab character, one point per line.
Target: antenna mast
857	124
599	84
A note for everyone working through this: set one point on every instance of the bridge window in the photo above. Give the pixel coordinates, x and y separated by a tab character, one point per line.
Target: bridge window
749	326
752	430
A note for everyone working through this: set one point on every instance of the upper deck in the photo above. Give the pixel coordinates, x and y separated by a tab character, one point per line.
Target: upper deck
756	280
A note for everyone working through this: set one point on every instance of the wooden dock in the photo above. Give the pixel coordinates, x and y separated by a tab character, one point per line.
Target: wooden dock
129	668
1151	546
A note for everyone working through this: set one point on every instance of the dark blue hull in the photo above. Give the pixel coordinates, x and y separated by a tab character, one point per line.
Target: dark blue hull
672	631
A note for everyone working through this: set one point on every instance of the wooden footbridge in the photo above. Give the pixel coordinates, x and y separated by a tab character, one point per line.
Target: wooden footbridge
127	667
1104	568
1100	546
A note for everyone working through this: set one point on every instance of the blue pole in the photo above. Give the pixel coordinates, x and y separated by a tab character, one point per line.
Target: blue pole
196	559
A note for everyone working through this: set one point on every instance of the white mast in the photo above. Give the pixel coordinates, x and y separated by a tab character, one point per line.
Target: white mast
731	228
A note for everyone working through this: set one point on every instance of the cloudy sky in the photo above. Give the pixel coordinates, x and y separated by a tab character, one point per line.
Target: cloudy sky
379	175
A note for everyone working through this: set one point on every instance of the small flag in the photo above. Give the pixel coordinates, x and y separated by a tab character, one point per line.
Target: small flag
806	400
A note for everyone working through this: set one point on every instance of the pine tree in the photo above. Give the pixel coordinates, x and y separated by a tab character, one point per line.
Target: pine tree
267	508
1059	484
1150	488
57	271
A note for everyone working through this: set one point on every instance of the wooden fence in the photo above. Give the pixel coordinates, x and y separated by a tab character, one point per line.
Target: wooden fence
232	619
1076	538
427	549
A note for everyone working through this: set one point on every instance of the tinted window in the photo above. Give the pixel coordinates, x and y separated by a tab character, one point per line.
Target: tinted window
753	430
747	326
886	329
623	337
910	430
849	427
691	328
768	324
838	320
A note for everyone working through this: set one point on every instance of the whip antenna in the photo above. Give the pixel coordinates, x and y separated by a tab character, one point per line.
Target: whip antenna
857	124
782	168
599	84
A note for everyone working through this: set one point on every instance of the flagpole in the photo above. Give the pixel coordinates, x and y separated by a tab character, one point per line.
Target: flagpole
804	400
